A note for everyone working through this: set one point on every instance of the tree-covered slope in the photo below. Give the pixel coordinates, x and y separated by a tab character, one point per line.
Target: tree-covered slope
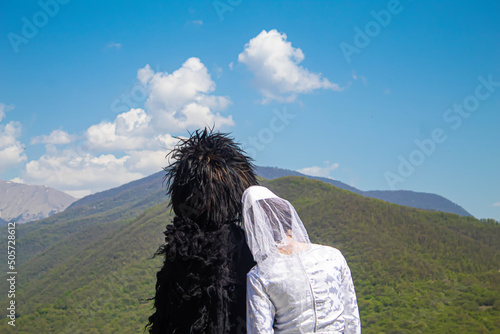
409	198
102	288
36	237
127	193
415	271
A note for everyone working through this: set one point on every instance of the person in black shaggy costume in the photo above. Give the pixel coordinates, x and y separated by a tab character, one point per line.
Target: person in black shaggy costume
201	287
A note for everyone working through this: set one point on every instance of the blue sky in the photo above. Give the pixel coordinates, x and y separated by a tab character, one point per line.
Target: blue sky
377	94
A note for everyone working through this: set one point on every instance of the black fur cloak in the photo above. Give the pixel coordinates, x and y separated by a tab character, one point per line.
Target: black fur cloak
201	287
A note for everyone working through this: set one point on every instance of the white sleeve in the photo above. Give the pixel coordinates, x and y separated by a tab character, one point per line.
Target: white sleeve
260	309
348	295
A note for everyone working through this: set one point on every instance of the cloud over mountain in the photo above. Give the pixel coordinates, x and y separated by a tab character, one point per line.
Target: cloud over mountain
79	174
137	141
320	171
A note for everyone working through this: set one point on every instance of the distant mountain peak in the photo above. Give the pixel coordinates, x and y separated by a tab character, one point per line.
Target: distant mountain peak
24	203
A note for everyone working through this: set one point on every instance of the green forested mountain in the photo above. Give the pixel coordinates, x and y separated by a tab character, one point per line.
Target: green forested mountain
415	271
419	200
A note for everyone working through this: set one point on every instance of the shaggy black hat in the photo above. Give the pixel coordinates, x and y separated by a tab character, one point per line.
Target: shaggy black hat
201	287
207	178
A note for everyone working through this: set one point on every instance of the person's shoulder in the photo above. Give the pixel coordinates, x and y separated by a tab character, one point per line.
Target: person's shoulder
254	271
257	276
328	251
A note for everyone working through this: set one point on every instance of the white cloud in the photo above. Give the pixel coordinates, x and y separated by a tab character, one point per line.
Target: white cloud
147	162
80	170
496	204
181	100
11	156
135	144
166	140
9	133
130	130
11	149
275	64
80	174
320	171
153	160
68	171
55	137
17	180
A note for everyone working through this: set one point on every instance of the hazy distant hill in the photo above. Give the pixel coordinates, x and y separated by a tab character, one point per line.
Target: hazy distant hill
128	192
409	198
272	173
419	200
415	271
23	203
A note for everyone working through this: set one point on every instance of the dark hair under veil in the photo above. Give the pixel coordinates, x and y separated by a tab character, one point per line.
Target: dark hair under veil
201	287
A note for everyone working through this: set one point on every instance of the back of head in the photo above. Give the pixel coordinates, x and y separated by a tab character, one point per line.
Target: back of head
207	178
271	223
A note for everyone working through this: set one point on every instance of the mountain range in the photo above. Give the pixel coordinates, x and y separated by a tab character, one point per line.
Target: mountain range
409	198
90	269
24	203
153	186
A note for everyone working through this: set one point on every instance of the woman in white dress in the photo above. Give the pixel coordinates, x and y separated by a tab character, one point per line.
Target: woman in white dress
296	286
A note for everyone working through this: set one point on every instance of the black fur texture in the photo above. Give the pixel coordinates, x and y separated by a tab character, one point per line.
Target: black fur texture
201	287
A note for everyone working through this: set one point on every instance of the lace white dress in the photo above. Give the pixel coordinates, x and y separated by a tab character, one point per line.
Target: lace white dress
310	291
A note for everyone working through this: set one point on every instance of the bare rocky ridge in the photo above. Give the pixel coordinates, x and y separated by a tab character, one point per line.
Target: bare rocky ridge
24	203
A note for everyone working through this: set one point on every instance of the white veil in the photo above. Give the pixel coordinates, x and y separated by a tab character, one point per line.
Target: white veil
272	226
